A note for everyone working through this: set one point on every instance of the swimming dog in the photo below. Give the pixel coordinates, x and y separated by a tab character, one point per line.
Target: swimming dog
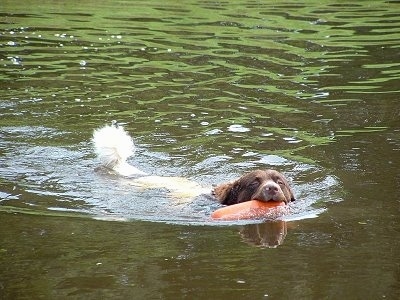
113	146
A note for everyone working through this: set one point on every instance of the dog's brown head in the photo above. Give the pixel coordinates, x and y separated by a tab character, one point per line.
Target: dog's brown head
268	185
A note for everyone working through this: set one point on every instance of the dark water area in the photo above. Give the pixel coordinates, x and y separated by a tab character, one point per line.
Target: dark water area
208	90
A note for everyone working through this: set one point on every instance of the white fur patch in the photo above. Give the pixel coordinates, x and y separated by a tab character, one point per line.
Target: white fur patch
180	188
113	146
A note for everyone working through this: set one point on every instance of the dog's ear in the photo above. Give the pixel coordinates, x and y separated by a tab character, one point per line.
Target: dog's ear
292	198
289	197
226	193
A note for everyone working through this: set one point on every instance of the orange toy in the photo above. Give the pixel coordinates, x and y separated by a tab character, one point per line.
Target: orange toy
253	209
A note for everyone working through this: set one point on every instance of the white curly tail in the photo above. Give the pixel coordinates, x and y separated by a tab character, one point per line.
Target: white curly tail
113	146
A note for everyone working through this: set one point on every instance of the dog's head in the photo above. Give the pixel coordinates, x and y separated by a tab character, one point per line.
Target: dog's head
268	185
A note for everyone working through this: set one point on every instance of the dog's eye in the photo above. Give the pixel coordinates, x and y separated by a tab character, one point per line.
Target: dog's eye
280	182
254	183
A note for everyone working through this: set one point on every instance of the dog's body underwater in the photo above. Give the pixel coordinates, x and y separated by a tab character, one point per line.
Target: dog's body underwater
113	146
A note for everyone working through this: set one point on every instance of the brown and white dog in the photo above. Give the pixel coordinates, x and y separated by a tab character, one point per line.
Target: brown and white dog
114	146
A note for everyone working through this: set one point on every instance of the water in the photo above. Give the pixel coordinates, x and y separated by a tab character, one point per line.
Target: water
208	90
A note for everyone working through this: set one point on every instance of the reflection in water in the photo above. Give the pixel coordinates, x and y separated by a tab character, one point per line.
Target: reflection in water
270	234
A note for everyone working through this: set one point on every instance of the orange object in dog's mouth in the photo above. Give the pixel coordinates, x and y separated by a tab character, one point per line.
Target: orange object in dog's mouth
254	209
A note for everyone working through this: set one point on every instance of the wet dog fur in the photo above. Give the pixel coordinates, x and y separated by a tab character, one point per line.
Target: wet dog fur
264	185
113	146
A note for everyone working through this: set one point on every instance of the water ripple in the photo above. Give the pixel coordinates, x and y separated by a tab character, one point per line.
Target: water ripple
201	85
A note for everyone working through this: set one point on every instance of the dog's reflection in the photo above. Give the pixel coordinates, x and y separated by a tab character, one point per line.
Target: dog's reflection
270	234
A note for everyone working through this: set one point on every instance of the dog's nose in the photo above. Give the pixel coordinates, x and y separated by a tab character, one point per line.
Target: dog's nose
271	187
